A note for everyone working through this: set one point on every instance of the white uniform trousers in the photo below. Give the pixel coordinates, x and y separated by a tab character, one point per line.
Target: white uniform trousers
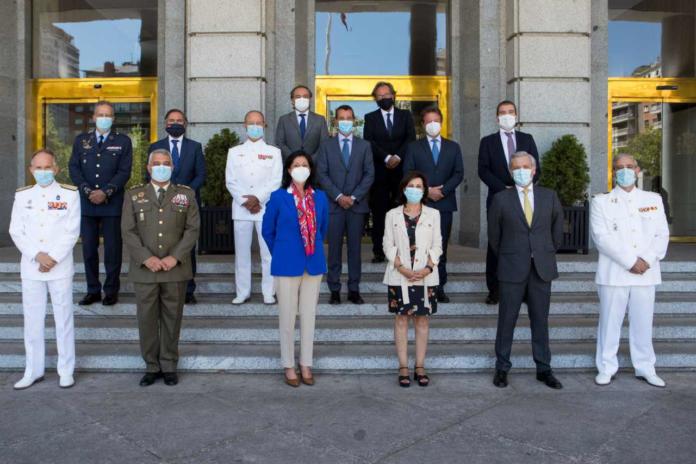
243	231
613	302
34	300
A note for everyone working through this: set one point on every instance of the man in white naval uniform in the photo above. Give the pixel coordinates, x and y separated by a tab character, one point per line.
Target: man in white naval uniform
629	228
254	170
45	226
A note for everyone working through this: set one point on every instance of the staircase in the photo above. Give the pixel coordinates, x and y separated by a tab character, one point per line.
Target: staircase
217	336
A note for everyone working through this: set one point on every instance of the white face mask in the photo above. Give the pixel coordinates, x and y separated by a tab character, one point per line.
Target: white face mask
507	122
433	128
302	104
300	174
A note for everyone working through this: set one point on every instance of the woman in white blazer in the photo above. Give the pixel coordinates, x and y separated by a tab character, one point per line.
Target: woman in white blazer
412	245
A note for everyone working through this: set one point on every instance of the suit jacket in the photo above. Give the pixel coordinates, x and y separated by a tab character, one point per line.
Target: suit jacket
515	243
191	168
384	144
448	172
281	231
288	137
353	180
493	167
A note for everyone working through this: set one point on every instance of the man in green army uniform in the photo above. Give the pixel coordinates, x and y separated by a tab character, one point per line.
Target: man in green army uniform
160	227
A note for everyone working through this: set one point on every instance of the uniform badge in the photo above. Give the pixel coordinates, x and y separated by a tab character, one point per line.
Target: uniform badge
58	197
57	205
86	145
614	200
142	217
616	227
264	157
141	194
647	209
180	200
134	197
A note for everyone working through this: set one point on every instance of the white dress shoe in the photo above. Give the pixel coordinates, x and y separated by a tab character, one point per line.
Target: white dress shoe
66	381
240	300
269	300
603	379
27	382
652	379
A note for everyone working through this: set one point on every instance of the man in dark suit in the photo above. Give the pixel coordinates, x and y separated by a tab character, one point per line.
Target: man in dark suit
493	162
189	169
100	166
389	130
345	171
440	159
301	129
525	228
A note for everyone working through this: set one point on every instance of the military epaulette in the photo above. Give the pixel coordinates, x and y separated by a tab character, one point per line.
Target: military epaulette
26	187
184	186
68	187
136	187
598	194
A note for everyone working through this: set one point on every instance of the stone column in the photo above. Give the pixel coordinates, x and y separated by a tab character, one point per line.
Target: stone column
171	58
598	82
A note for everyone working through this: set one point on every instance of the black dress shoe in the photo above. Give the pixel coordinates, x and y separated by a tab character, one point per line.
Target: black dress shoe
500	379
354	297
170	378
335	298
90	298
378	259
110	300
149	378
492	298
548	379
442	296
190	299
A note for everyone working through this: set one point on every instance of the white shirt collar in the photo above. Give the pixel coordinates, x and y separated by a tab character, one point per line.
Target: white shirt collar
157	187
349	137
180	138
252	142
621	191
438	138
530	188
385	113
503	133
298	113
99	134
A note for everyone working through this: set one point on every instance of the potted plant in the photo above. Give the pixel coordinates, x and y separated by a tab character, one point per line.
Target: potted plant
216	234
565	170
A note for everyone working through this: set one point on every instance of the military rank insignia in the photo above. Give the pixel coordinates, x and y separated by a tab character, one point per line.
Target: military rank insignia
647	209
57	205
180	200
264	157
85	144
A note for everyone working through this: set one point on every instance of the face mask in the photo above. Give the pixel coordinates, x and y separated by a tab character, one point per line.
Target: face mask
300	174
345	127
625	177
302	104
175	130
43	177
161	173
522	177
433	129
507	122
413	194
104	123
254	131
385	103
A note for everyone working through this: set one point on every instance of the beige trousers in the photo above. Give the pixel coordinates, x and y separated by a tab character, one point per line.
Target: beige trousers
297	295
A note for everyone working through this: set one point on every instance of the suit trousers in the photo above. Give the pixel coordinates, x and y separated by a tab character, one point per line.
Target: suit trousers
243	231
297	295
113	252
191	285
160	307
383	197
345	223
537	294
491	270
613	302
445	231
34	300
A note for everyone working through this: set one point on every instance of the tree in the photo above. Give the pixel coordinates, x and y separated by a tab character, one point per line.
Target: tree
565	170
214	192
140	147
646	148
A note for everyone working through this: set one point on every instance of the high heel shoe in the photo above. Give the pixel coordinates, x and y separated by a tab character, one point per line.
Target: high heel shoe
306	380
422	379
292	382
404	380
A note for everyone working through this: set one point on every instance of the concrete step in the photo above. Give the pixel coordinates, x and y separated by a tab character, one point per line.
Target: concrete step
357	330
332	358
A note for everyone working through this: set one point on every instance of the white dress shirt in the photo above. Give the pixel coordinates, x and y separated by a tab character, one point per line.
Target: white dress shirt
178	145
384	116
306	118
504	139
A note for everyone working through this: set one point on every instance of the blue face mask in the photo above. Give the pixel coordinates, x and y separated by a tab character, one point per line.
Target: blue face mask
522	177
345	127
104	123
161	173
43	177
413	194
254	131
625	177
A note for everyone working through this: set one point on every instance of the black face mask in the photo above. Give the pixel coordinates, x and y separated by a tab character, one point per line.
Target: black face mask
175	130
385	103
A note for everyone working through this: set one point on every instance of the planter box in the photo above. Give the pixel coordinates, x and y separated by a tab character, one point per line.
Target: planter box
216	236
576	229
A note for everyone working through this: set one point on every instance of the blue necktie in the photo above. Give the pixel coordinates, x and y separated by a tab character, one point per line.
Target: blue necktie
436	151
346	152
303	125
175	153
390	125
101	141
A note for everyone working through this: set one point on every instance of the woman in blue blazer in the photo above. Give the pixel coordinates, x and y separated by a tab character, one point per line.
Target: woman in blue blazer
294	226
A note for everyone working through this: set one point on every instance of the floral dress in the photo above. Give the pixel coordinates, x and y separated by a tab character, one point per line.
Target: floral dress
416	293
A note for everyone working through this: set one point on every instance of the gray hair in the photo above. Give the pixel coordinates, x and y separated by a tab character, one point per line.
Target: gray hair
158	151
521	154
619	156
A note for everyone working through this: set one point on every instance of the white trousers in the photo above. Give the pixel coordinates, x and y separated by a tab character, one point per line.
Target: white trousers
613	302
297	295
243	231
34	300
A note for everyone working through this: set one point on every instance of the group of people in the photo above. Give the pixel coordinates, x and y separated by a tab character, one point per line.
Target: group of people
310	189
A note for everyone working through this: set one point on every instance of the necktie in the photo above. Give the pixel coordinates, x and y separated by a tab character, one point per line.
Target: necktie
346	152
528	212
510	145
303	125
175	153
436	151
160	195
101	141
390	125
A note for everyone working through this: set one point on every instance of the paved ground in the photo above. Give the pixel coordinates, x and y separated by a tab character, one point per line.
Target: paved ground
107	418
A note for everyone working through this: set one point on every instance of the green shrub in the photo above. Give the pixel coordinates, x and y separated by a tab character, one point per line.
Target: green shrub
564	169
214	191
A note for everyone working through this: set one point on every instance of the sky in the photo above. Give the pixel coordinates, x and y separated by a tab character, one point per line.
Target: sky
632	44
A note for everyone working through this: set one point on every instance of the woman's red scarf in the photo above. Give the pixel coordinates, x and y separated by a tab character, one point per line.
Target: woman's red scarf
307	217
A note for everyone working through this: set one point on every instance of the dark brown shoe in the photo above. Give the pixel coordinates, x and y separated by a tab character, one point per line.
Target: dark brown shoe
292	382
307	380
